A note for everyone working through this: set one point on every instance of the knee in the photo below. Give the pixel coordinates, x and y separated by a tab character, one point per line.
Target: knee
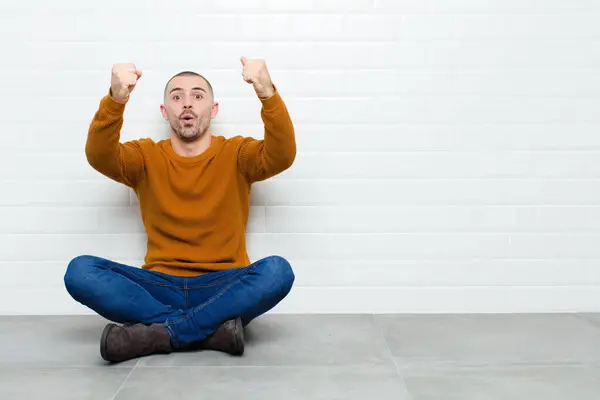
78	269
281	272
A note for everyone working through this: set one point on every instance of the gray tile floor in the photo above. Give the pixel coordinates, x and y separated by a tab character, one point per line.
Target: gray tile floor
416	357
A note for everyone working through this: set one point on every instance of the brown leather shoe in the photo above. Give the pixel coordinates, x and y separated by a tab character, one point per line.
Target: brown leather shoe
120	343
228	338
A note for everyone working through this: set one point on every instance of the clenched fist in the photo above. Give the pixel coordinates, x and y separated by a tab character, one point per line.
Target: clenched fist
124	79
256	73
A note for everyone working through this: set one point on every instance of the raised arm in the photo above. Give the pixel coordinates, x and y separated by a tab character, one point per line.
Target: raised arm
262	159
122	162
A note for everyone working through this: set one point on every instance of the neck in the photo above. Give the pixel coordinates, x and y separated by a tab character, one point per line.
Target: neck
191	149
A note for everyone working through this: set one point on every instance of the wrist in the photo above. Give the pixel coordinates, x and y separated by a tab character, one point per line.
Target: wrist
117	98
267	92
271	104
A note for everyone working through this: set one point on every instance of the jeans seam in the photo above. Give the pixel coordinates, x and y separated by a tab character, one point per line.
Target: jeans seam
142	278
206	303
171	334
218	282
185	292
169	324
212	299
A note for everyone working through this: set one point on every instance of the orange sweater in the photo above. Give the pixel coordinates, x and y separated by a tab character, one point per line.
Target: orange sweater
194	209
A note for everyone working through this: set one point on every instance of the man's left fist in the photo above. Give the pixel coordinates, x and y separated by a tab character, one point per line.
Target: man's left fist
255	72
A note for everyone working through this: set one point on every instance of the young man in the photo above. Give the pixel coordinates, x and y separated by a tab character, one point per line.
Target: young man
197	288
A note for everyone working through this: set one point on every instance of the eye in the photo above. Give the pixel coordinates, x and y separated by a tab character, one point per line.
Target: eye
175	97
198	96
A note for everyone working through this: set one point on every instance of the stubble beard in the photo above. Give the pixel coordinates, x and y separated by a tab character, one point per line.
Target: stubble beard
191	133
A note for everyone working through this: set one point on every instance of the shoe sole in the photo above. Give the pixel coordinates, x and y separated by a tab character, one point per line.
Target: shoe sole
105	334
239	336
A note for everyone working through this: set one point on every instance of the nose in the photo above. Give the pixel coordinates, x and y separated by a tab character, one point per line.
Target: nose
187	102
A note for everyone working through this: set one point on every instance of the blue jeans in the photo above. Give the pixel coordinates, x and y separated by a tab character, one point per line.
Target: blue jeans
190	308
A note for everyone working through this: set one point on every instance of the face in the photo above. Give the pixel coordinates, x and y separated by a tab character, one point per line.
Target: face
189	107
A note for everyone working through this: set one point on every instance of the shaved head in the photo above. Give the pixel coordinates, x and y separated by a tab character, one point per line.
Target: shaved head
189	73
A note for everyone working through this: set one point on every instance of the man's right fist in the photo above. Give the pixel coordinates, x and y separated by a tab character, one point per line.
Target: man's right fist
124	79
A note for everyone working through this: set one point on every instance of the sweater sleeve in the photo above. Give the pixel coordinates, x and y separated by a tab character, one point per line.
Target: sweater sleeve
122	162
261	159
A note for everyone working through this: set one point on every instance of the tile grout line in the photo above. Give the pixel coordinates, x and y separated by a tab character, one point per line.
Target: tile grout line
126	379
389	349
590	321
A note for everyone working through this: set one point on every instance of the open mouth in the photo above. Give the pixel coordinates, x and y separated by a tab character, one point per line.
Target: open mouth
188	119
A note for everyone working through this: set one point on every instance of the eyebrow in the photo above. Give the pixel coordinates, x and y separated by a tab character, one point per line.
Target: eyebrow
194	88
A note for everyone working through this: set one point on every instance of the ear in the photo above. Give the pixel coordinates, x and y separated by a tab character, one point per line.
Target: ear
215	110
163	111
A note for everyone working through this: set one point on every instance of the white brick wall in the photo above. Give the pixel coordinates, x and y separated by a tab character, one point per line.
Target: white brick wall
448	151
